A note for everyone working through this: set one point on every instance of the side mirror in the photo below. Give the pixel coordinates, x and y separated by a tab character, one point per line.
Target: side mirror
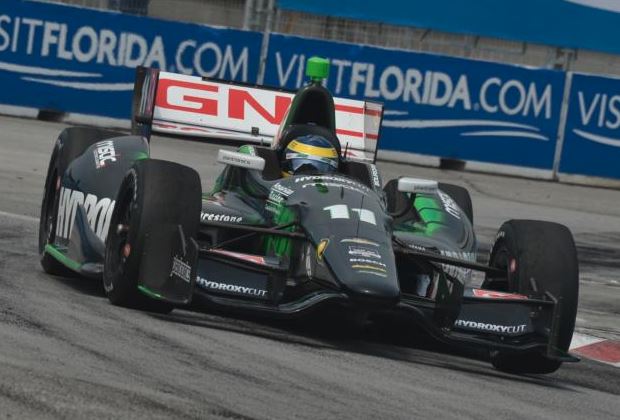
417	186
240	160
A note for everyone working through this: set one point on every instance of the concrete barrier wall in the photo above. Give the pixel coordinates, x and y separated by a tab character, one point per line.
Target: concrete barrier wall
72	60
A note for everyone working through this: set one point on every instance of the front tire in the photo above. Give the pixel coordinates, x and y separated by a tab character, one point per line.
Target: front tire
48	217
153	192
71	143
539	257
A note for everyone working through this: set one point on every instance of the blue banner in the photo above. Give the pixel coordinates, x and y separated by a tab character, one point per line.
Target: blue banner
80	60
588	24
592	135
437	105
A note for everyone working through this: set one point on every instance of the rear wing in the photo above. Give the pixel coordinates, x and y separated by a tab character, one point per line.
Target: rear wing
192	106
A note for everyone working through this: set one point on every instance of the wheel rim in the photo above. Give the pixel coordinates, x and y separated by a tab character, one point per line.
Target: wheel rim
118	239
501	259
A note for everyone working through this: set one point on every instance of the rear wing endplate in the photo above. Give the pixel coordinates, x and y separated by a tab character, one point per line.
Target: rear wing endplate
192	106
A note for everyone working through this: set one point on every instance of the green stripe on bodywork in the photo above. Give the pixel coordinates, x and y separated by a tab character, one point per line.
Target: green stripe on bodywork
62	258
279	245
149	292
431	214
141	156
217	187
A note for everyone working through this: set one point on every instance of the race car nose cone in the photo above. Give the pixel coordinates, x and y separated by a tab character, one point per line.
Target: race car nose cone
365	269
370	289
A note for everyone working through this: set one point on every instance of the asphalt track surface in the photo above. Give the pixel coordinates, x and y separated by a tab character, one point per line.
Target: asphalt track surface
65	352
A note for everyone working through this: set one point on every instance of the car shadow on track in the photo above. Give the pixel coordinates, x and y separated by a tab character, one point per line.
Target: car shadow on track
87	286
324	330
382	340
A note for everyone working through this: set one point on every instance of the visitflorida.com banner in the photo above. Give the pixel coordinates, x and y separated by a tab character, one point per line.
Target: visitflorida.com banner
77	60
81	60
592	134
438	105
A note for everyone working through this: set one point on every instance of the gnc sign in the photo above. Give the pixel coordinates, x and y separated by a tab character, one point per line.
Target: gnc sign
190	105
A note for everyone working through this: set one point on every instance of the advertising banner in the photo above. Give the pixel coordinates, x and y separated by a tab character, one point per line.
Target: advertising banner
193	107
77	60
588	24
72	59
438	105
592	134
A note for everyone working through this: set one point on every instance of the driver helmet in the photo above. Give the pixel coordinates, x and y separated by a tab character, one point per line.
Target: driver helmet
309	154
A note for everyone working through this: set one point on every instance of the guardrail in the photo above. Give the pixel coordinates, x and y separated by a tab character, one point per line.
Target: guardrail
76	60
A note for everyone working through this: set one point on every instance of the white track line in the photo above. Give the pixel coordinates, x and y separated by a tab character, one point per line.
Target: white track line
596	348
580	340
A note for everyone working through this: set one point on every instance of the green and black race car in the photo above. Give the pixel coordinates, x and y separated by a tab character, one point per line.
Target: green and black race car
285	246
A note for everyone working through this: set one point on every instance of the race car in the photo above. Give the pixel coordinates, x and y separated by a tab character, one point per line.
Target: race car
286	244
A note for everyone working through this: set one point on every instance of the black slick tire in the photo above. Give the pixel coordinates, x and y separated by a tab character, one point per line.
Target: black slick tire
540	257
153	192
71	143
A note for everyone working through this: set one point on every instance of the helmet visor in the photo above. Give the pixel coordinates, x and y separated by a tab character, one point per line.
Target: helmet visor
319	164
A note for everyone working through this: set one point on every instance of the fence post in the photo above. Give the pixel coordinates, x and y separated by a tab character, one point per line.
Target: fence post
559	146
260	77
247	14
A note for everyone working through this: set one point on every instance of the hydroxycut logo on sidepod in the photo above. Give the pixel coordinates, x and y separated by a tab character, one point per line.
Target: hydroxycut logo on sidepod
231	288
492	328
98	212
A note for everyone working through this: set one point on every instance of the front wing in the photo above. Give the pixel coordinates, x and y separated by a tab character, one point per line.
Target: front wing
257	283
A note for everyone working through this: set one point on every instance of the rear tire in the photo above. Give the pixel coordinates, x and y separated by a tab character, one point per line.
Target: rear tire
153	192
539	257
71	143
461	196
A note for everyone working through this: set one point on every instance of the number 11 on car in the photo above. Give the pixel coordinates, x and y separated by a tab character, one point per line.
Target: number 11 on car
341	211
